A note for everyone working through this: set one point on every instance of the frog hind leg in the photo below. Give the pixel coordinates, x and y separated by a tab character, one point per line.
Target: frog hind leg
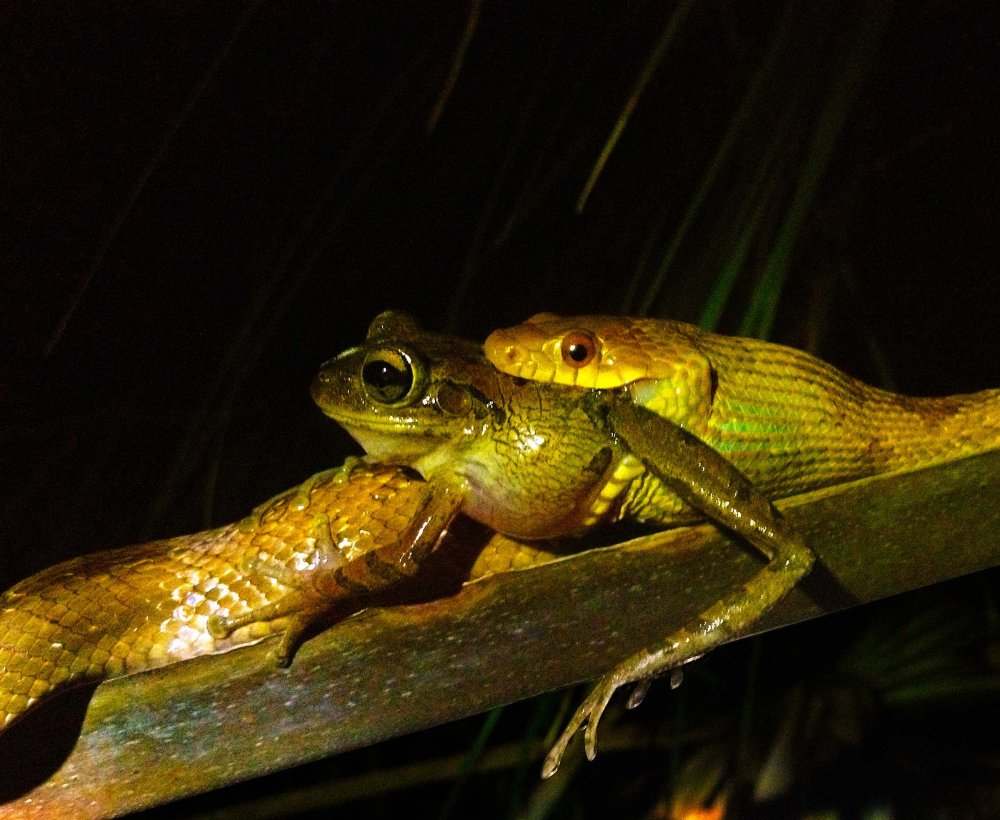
707	481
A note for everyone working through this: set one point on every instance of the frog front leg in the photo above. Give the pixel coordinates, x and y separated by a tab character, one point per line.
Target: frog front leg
314	592
711	484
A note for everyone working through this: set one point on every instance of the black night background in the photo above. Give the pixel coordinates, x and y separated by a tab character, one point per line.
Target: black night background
200	203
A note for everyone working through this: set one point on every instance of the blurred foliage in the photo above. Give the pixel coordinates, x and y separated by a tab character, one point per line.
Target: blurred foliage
201	203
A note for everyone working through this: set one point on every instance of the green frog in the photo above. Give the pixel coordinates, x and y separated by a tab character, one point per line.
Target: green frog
535	461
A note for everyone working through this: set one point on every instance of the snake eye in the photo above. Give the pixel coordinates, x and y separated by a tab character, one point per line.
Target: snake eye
578	348
388	375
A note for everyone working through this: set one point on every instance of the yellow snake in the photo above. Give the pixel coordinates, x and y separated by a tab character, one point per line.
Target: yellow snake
341	535
786	419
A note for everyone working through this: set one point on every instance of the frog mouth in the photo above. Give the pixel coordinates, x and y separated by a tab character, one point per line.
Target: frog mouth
350	422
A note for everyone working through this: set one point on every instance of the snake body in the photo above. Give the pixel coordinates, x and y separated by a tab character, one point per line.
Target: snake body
789	421
275	572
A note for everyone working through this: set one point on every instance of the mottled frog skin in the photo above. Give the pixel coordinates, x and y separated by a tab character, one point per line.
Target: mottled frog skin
533	460
538	460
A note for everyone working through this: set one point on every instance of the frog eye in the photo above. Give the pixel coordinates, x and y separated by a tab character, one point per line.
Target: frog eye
388	375
578	348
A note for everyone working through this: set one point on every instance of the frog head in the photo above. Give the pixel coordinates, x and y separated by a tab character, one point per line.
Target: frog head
529	458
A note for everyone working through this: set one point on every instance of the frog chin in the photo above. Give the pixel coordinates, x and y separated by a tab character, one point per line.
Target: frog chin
484	496
389	446
496	499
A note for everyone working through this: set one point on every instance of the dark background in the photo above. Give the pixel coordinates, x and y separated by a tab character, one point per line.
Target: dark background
199	203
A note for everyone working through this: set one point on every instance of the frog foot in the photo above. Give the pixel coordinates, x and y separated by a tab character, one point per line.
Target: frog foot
589	712
641	670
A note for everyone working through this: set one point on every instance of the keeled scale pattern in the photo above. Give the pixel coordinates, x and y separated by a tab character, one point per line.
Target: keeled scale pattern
130	609
787	420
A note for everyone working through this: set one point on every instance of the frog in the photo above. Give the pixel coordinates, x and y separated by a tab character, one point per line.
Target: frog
534	460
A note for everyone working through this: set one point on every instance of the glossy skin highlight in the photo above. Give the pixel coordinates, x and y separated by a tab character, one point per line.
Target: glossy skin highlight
528	459
279	572
785	420
535	460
